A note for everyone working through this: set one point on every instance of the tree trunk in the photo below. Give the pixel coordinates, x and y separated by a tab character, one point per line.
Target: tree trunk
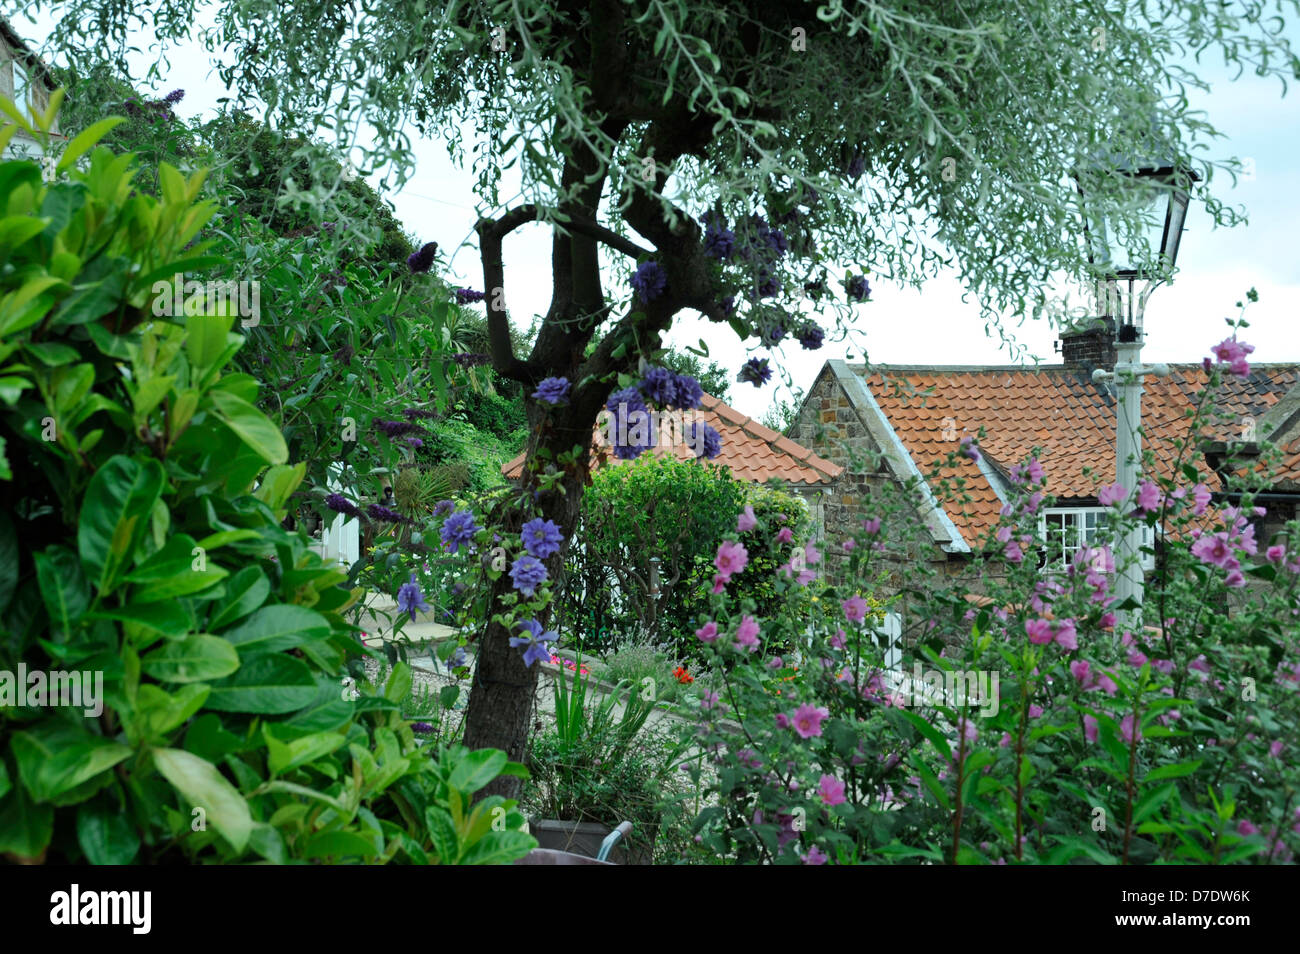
503	691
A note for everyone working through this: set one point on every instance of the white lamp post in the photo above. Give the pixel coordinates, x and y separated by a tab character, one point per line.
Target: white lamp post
1148	186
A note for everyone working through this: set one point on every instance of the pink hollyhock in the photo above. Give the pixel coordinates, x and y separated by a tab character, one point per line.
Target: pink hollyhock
719	584
1090	728
1005	740
1035	710
747	633
808	720
1107	621
1165	666
831	790
1149	497
1234	578
1039	631
1275	748
1137	659
805	577
1275	553
1003	534
968	448
1106	684
1081	670
849	545
1200	499
1111	494
1246	829
812	556
732	558
785	535
855	609
839	641
776	662
871	525
815	856
746	521
708	632
1199	664
782	720
1129	729
709	700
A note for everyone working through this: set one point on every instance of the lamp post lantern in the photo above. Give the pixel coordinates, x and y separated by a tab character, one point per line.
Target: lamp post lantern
1151	187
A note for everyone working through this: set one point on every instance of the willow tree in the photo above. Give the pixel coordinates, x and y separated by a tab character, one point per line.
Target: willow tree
746	147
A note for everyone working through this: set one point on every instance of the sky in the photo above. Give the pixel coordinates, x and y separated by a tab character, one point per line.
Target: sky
931	325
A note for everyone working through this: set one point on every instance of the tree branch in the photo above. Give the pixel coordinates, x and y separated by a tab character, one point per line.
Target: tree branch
491	232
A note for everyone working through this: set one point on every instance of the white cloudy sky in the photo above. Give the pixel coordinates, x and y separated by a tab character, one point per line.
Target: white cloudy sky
932	326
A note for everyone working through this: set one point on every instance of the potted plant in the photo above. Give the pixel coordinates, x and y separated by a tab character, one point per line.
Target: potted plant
595	771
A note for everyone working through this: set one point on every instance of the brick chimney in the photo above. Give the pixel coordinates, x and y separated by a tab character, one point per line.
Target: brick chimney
1090	346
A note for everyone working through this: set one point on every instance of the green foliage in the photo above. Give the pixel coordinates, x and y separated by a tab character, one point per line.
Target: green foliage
678	511
599	764
220	715
655	506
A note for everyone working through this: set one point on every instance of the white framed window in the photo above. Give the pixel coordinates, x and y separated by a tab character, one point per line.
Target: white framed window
1067	530
22	89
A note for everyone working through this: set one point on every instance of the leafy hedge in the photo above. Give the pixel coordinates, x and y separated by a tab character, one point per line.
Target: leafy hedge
678	511
220	712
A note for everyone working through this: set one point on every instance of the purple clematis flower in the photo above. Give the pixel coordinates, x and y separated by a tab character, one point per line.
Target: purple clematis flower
542	538
553	390
410	599
534	644
459	529
649	281
528	573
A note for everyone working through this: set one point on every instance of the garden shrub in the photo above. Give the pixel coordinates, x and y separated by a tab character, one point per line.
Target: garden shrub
218	709
678	511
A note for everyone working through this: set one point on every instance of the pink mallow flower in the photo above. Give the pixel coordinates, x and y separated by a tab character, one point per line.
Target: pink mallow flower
1111	494
839	640
1081	669
1233	353
871	525
1090	728
1149	497
746	521
855	609
815	856
1039	631
1200	499
732	558
785	535
708	632
1066	636
807	720
747	633
849	545
831	790
1275	553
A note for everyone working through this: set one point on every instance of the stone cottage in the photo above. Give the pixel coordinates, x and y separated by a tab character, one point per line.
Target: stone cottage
889	425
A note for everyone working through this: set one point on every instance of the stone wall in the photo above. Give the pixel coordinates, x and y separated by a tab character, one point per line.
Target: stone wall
831	426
